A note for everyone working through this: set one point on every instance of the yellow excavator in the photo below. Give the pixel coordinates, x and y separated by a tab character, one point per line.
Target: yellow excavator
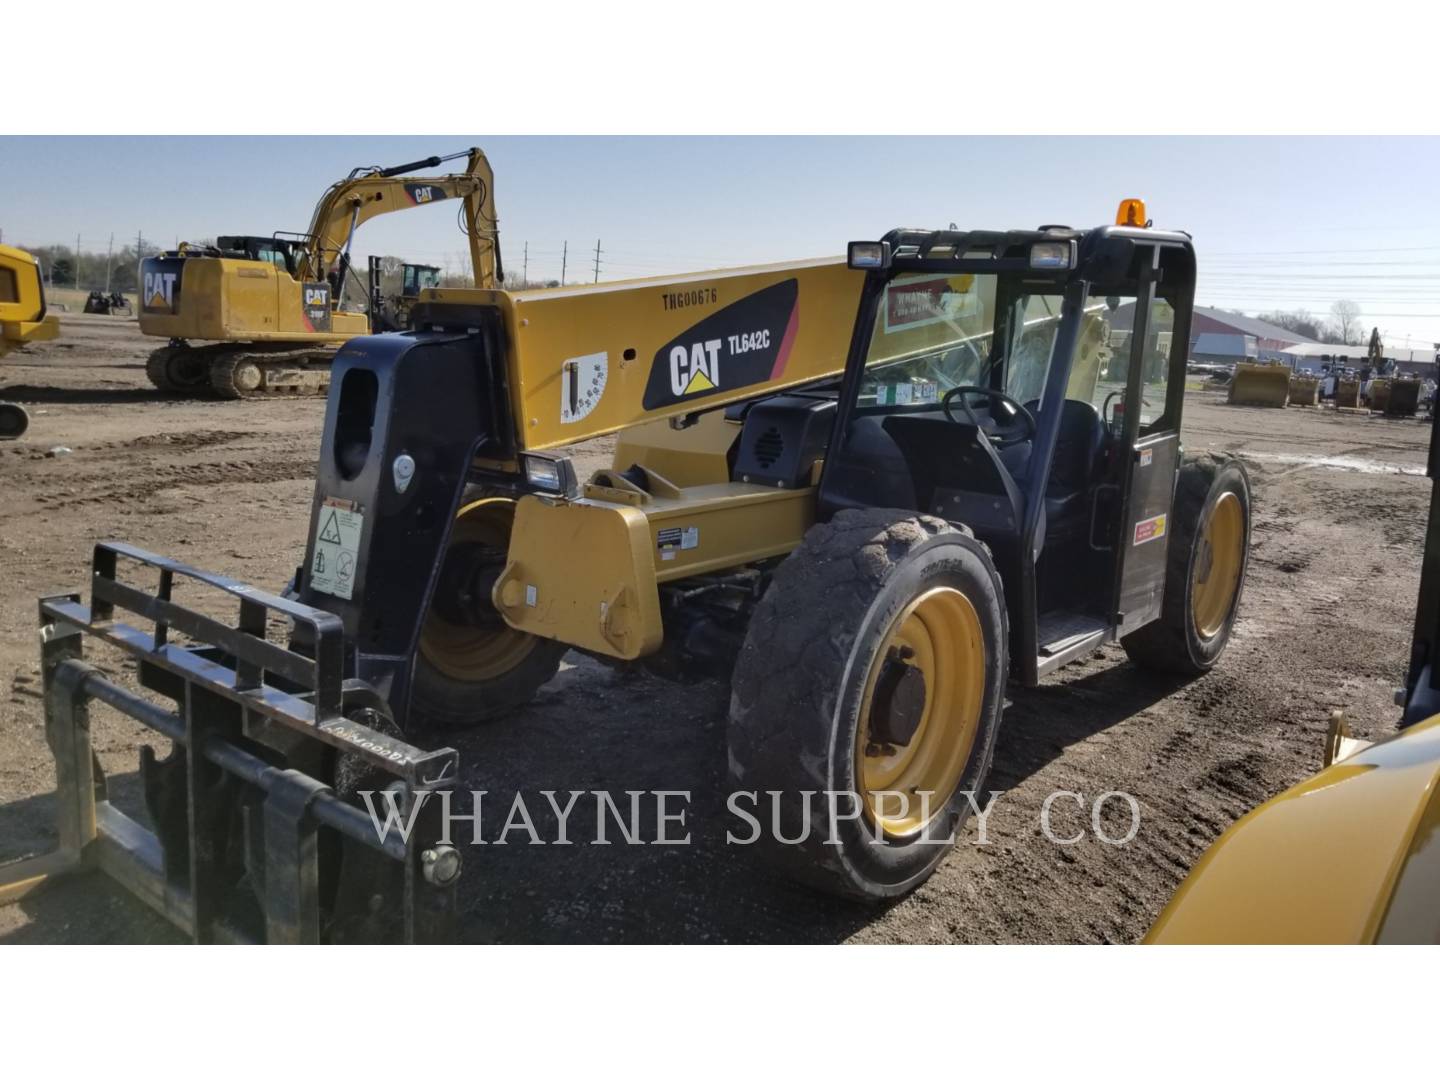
260	315
22	321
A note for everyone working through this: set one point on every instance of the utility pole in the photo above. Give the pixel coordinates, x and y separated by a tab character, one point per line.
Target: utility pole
525	266
564	260
77	260
109	254
597	260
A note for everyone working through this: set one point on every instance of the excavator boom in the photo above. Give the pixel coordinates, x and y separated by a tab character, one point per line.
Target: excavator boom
367	194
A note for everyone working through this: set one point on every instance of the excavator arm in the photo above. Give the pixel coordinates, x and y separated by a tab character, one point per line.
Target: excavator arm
368	193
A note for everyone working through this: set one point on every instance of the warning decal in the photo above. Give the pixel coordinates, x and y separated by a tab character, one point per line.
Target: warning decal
669	541
336	548
1149	529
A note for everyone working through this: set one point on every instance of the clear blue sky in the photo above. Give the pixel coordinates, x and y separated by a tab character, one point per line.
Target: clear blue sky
1279	222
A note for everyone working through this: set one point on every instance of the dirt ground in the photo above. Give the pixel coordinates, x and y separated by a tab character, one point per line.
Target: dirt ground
1339	519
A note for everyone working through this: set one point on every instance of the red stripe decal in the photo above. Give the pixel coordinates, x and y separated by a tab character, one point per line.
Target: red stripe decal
787	342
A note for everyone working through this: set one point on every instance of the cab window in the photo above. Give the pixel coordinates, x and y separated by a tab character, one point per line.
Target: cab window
932	333
1154	356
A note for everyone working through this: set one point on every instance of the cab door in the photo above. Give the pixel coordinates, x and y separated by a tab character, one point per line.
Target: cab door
1151	442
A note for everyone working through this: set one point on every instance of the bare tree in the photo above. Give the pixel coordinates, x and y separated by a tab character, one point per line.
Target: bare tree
1345	314
1299	321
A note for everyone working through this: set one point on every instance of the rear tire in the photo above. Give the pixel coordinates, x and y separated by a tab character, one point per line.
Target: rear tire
469	673
1212	504
826	646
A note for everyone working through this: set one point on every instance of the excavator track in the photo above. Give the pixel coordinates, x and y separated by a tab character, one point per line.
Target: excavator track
244	371
178	369
293	373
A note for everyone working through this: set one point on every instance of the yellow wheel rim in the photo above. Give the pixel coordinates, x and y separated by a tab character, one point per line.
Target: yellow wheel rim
939	635
1215	576
476	653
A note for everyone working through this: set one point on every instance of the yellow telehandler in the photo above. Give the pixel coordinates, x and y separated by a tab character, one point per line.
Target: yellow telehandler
257	315
868	492
22	320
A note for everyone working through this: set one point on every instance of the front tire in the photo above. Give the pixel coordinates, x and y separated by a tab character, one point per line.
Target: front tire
873	670
1205	570
471	666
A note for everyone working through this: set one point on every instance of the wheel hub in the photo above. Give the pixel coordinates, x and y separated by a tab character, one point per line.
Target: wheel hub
467	579
1218	562
899	702
921	712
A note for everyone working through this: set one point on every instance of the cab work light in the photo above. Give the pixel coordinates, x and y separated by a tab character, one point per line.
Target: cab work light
550	473
868	255
1052	255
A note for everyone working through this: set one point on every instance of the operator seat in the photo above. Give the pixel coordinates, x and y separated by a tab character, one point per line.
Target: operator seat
1078	443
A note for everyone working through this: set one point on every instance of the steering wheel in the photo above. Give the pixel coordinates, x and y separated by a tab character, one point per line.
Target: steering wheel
1022	423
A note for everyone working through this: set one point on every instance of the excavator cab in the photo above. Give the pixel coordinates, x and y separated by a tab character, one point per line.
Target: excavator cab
416	278
282	254
1042	413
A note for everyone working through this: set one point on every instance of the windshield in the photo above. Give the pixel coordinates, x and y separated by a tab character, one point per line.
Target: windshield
419	277
935	332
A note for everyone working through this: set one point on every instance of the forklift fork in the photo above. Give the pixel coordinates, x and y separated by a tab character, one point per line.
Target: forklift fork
249	842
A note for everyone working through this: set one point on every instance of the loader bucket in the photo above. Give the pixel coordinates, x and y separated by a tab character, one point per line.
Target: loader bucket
1260	384
1404	398
1347	394
1304	390
254	829
1380	395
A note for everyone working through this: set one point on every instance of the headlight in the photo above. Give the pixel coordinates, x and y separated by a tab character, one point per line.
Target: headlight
868	255
553	474
1050	255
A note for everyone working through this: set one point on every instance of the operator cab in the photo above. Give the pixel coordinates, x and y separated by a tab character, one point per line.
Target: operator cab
415	278
1040	409
282	254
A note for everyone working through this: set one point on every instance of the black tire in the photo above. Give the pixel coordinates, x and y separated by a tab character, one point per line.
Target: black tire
14	420
441	698
1172	642
801	679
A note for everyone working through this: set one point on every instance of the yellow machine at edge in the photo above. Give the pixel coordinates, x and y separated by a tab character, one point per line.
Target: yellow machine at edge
258	315
1350	856
22	321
